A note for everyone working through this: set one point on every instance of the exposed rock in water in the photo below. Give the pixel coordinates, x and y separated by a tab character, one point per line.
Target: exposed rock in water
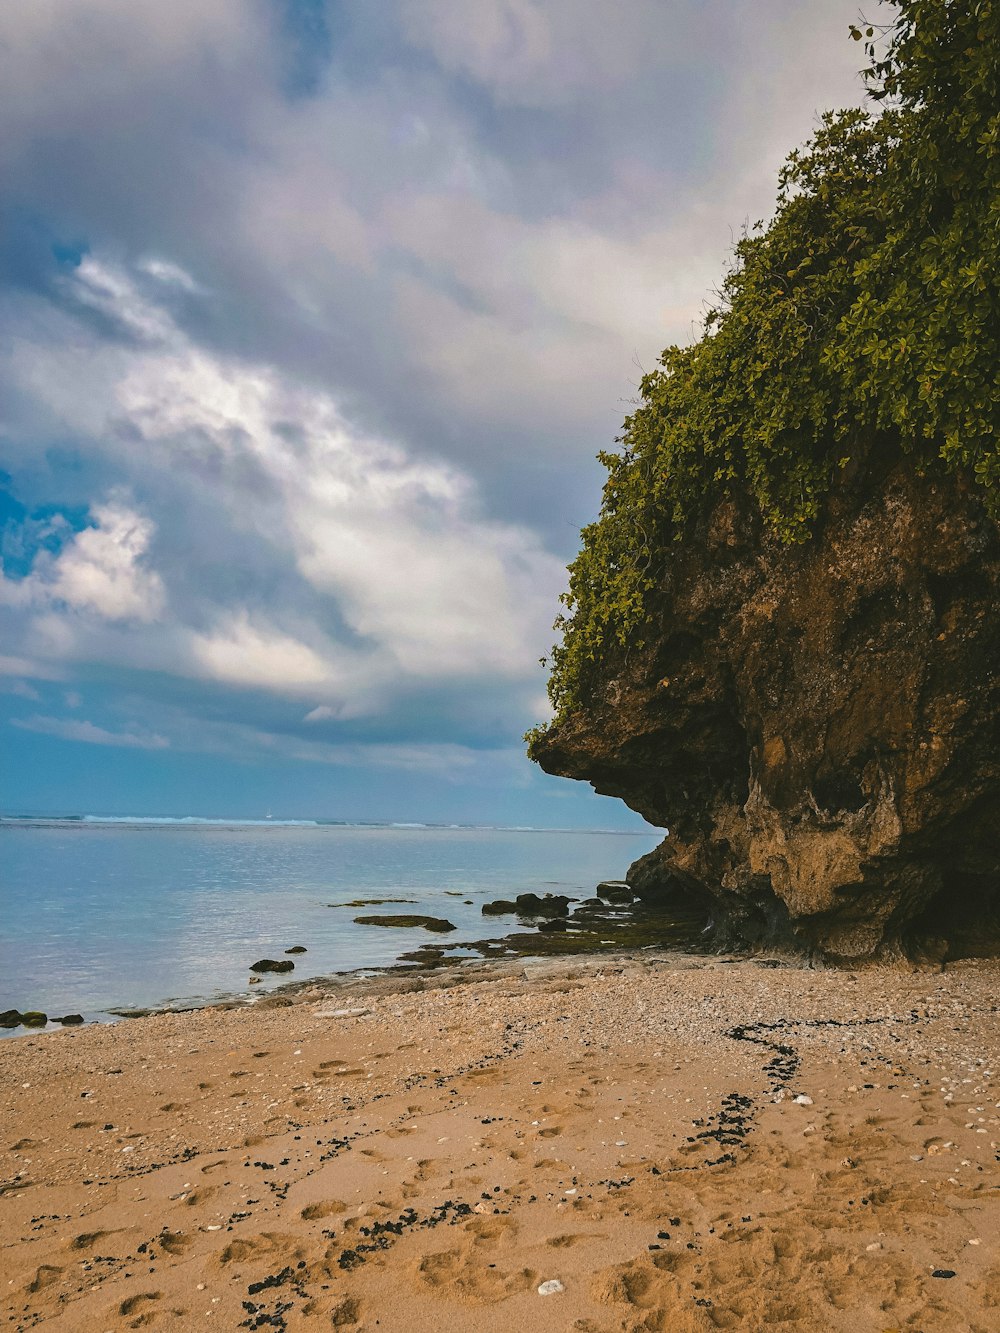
435	923
499	907
69	1020
817	725
10	1018
615	891
549	905
297	948
34	1018
272	965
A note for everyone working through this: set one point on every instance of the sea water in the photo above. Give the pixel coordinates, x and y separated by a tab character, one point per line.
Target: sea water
101	914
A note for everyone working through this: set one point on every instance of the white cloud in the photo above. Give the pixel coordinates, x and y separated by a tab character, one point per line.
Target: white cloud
23	666
68	729
322	713
243	653
20	689
101	570
109	292
538	53
443	758
398	577
170	275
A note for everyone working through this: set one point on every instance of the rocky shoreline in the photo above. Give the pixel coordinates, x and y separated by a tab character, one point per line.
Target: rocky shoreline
612	919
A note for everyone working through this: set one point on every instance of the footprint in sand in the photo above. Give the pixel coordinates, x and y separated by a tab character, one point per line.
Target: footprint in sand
255	1247
139	1306
347	1312
174	1243
44	1277
315	1212
88	1239
464	1277
199	1196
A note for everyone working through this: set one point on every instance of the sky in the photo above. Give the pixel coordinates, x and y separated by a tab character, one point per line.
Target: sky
313	317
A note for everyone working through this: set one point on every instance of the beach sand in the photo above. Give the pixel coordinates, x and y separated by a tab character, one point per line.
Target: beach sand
678	1143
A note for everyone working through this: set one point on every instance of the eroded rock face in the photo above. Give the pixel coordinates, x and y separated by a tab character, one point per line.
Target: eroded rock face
819	726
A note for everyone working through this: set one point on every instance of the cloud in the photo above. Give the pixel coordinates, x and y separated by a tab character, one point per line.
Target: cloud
539	53
242	653
295	552
72	730
23	666
99	570
20	689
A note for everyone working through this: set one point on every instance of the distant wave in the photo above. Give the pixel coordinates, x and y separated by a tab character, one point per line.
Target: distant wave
201	821
161	820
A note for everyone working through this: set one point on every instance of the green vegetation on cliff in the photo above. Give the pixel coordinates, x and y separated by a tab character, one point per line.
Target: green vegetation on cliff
867	311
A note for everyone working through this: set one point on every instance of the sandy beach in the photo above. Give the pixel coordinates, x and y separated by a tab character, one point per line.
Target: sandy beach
658	1142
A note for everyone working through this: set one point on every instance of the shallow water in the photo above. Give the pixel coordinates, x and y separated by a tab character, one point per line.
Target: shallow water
97	916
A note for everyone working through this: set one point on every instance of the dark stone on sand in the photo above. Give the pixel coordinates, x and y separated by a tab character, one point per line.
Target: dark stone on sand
10	1018
297	948
272	965
552	905
34	1018
943	1272
500	907
615	891
69	1020
435	923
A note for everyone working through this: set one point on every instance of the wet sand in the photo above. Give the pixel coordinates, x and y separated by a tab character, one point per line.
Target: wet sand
676	1143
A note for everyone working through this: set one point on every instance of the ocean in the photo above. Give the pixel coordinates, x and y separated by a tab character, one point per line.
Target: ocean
100	914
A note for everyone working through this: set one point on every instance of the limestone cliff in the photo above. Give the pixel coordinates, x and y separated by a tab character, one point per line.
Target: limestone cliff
817	726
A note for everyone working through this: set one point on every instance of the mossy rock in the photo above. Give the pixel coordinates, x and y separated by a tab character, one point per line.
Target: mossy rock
552	905
371	902
34	1018
10	1018
435	923
272	965
615	891
500	907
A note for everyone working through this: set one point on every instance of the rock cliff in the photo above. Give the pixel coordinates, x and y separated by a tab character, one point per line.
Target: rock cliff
817	726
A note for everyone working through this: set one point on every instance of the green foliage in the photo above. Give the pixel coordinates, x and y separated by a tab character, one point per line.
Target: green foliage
867	310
